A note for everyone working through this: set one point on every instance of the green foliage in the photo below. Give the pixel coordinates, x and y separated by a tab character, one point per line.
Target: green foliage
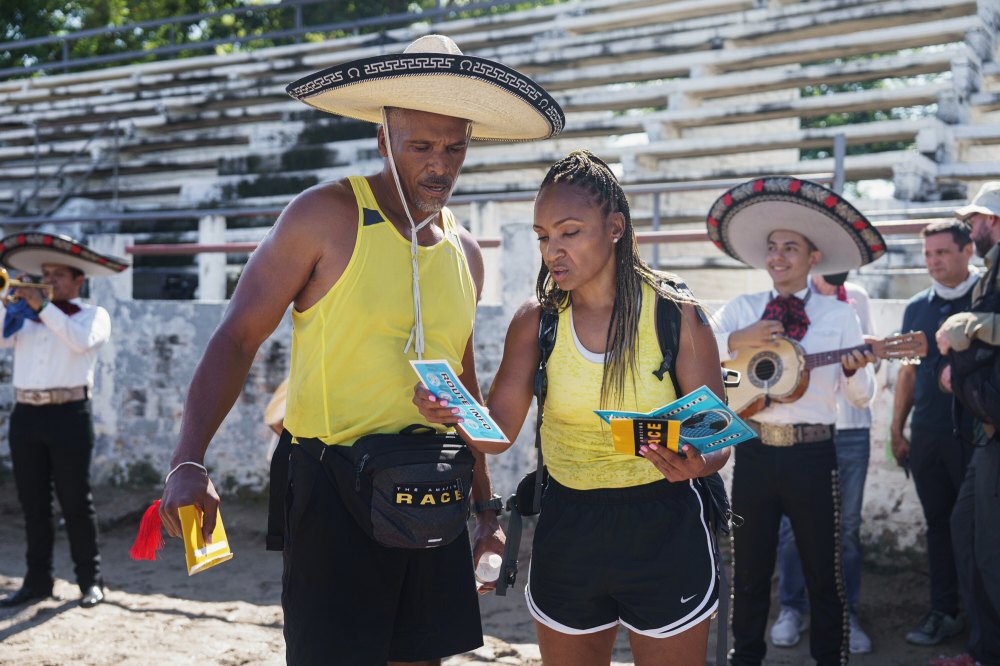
856	117
27	19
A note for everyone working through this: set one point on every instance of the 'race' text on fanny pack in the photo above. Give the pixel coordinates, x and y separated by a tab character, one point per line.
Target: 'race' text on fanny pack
427	494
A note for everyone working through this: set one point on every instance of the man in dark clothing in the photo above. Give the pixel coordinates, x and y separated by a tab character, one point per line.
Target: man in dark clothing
936	457
975	521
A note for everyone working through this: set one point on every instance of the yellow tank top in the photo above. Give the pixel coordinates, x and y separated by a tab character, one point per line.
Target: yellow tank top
576	444
349	375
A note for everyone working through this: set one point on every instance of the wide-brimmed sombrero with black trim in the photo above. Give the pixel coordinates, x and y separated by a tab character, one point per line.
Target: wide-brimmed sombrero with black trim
740	221
26	252
433	75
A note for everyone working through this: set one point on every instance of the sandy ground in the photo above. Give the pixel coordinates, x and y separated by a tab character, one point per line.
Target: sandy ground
231	614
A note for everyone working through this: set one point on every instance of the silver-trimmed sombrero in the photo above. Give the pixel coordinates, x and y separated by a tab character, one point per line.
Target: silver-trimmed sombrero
433	75
740	221
26	252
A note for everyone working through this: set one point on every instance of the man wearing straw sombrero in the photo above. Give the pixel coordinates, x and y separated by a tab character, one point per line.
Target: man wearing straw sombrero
378	273
56	338
791	227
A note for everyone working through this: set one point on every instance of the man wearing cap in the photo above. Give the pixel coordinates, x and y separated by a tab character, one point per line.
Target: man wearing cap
934	455
975	521
791	227
853	446
378	273
55	339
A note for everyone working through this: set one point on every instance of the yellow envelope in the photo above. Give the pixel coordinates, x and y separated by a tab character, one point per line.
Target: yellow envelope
199	555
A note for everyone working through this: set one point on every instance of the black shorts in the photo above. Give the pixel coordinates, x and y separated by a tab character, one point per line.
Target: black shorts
350	601
643	557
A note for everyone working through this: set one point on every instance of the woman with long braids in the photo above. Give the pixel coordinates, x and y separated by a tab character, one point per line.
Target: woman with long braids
621	539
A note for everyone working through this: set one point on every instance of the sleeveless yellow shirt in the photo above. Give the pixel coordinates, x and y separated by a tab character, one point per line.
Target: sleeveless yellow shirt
349	374
576	444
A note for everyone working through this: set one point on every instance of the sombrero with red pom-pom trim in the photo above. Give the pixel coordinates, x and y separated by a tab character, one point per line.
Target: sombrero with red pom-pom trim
26	252
740	221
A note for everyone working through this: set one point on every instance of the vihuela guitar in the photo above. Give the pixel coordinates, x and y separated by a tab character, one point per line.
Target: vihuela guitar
780	373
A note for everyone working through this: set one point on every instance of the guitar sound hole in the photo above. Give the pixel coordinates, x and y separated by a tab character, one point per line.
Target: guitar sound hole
765	369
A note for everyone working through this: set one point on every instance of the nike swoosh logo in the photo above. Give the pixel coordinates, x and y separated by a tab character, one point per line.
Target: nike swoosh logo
687	599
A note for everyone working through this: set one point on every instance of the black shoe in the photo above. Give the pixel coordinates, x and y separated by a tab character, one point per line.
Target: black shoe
92	596
25	595
935	627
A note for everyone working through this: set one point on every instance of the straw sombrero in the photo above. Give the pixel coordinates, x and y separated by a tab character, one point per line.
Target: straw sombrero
26	252
740	221
433	75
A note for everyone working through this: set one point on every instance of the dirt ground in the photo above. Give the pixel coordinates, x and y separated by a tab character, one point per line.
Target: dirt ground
231	614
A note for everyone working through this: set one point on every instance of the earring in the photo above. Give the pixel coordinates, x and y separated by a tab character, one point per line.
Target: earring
615	239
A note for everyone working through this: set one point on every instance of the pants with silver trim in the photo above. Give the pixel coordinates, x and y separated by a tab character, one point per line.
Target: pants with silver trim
800	482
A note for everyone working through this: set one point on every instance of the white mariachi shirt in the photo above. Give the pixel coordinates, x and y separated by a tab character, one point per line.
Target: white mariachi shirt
850	417
60	351
832	325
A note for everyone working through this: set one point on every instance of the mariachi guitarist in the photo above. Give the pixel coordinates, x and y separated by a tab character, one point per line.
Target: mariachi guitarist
792	227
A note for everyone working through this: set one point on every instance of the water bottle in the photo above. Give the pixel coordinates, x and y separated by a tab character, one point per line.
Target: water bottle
488	569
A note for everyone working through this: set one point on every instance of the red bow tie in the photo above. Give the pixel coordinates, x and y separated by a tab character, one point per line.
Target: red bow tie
69	307
791	312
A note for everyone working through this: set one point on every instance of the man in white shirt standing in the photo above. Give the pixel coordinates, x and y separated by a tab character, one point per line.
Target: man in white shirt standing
55	341
790	228
853	445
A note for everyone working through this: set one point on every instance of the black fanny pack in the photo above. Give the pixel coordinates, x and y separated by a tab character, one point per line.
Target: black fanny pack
410	490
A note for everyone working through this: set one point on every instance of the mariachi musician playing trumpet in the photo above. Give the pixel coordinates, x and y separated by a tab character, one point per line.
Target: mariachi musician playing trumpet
55	337
792	227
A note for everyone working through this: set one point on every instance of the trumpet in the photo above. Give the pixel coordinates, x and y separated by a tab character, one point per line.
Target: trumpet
6	284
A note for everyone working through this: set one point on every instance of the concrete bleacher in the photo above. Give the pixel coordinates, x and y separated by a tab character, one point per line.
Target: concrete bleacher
666	91
670	91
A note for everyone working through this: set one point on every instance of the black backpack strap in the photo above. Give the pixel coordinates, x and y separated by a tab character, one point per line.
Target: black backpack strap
548	324
668	333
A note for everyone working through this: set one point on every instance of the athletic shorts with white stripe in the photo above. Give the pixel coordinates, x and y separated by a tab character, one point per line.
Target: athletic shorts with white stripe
642	556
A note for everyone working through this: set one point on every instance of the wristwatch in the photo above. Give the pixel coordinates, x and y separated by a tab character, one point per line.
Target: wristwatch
494	503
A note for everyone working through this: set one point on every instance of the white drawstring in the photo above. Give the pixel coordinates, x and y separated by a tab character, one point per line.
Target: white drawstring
416	337
417	332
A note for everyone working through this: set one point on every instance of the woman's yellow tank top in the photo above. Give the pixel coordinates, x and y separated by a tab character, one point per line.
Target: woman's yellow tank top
576	444
349	374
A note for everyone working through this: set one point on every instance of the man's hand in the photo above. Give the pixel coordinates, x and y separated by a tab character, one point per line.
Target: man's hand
189	485
855	360
672	466
487	537
943	342
944	379
900	446
33	297
758	334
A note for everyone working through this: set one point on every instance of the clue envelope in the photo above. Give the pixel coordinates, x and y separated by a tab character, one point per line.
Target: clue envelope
201	555
441	380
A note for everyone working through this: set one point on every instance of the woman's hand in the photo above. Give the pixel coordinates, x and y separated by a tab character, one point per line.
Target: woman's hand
673	467
434	409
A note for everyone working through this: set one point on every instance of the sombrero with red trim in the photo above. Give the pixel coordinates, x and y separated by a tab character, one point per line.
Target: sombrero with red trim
26	252
433	75
740	221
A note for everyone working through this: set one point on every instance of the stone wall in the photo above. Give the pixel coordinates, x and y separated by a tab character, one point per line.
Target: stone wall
144	372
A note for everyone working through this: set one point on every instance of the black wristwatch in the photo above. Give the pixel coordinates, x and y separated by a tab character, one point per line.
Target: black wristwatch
494	503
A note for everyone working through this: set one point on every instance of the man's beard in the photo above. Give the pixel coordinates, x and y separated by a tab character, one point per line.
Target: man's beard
429	206
983	245
434	205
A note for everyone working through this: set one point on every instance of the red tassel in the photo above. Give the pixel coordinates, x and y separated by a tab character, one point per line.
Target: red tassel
149	541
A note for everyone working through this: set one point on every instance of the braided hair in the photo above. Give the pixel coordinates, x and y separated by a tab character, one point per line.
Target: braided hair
589	173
